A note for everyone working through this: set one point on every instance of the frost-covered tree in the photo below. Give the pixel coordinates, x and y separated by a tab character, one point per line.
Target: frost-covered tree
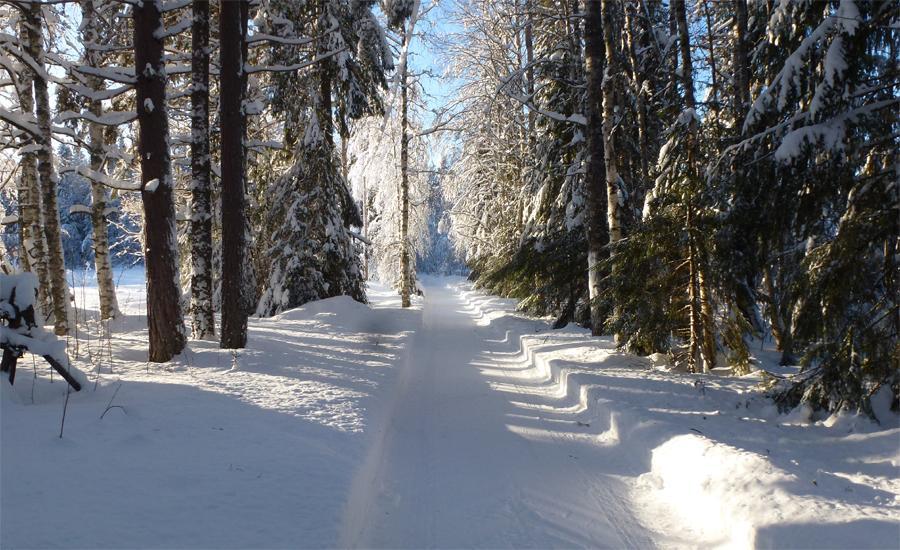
327	68
375	174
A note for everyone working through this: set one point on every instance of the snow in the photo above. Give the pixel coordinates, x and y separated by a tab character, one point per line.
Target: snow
207	451
457	423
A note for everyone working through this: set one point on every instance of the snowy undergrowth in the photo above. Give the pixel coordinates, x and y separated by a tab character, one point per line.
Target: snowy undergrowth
213	450
709	459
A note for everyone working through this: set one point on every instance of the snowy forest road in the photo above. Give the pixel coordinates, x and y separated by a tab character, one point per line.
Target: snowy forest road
462	461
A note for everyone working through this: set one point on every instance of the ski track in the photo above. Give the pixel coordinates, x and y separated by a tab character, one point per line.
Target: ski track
446	471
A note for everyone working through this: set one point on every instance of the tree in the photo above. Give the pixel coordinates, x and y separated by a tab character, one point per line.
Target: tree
56	268
164	316
597	235
203	322
231	39
33	241
100	224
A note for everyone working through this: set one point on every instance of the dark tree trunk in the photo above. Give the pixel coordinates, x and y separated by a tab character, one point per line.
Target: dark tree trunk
56	268
741	63
164	317
595	177
702	339
234	312
202	320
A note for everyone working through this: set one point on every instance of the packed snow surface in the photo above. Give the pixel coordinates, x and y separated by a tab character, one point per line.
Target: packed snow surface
457	423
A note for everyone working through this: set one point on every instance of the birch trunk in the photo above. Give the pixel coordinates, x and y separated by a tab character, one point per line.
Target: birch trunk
594	174
405	281
29	194
164	316
56	267
202	319
234	311
109	307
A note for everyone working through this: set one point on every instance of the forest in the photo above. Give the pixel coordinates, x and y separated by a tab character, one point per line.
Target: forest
709	185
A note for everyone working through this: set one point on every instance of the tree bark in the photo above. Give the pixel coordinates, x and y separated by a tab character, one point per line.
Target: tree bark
164	316
702	337
202	319
637	78
405	279
29	193
109	307
613	212
56	267
234	311
741	64
594	184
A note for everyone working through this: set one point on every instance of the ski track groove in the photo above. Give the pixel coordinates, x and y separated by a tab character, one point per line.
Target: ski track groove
446	471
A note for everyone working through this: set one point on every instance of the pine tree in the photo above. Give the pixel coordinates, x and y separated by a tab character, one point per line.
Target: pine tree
232	38
203	322
164	316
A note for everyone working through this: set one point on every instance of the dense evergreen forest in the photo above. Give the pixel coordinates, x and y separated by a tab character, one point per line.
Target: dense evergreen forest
698	178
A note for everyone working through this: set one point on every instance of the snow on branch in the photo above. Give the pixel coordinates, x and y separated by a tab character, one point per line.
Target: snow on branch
97	95
122	75
107	119
173	5
262	38
179	27
112	183
20	121
250	69
79	209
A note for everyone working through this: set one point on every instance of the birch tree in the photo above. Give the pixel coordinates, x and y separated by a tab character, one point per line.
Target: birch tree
100	224
56	269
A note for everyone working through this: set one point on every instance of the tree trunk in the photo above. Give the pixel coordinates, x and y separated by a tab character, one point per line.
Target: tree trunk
702	334
741	64
234	312
109	307
405	279
29	194
695	320
529	72
713	69
56	267
164	317
613	212
202	321
594	177
637	78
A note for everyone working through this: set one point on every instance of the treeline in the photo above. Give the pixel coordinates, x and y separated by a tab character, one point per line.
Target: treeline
224	119
691	177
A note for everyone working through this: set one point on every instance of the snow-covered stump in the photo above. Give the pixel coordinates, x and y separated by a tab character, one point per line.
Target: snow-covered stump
20	330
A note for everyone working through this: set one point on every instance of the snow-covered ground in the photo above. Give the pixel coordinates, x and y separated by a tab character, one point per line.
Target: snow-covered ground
210	451
458	423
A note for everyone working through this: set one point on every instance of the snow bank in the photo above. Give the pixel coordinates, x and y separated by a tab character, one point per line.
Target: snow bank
709	460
